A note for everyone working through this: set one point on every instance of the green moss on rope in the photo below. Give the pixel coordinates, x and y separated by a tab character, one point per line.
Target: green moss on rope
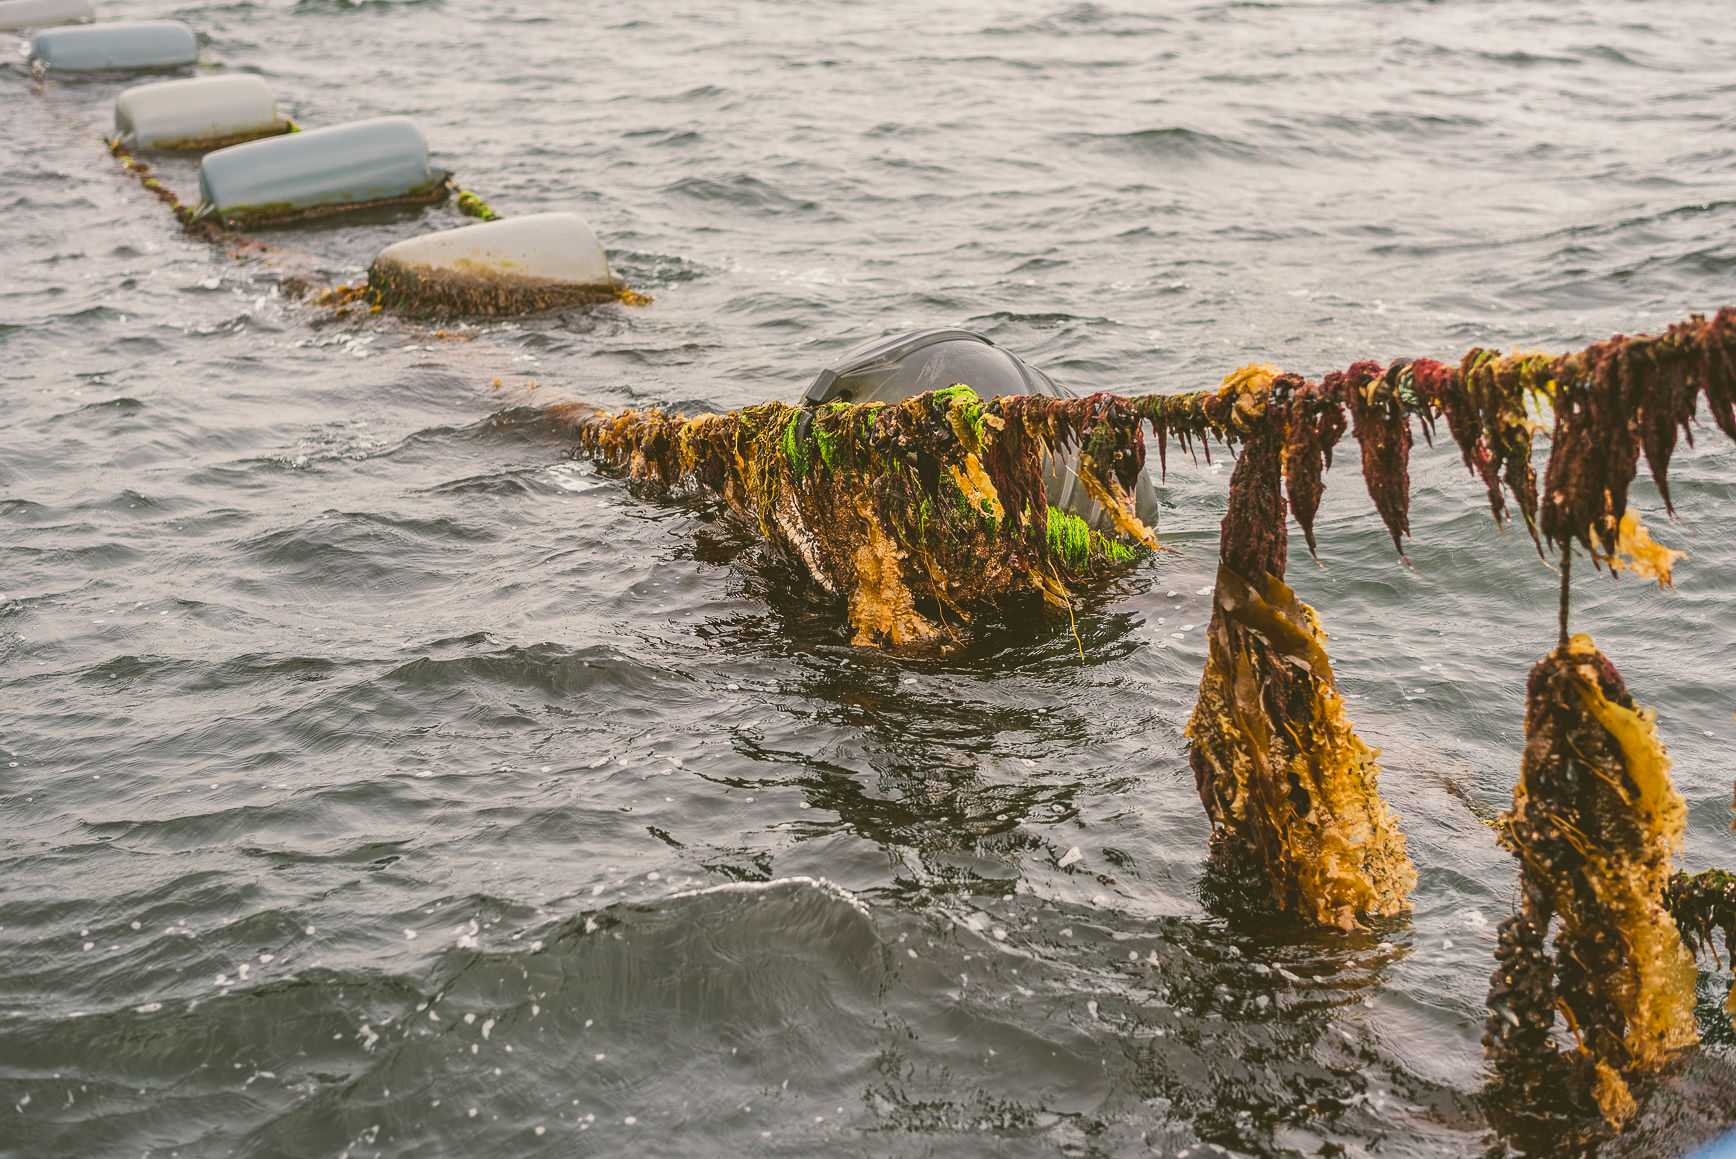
1069	539
1075	544
796	451
473	206
827	442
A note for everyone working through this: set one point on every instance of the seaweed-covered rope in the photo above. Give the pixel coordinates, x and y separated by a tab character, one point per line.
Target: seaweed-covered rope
1610	403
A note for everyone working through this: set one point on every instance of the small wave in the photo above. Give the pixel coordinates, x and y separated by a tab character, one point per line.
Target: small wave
665	138
1173	143
342	6
740	190
552	669
1522	59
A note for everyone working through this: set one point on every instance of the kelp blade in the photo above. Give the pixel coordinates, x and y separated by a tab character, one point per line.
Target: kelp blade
1290	788
1595	821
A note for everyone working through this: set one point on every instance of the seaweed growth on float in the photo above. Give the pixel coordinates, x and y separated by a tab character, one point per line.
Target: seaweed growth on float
921	515
1594	823
431	291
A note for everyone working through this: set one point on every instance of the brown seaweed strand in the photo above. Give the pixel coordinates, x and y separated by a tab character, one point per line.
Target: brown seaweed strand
1382	427
1308	447
1013	460
1565	599
1253	540
1713	353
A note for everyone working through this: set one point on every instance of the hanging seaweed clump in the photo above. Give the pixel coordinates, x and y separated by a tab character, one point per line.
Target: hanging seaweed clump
1289	786
1704	904
921	514
925	514
1594	823
1616	399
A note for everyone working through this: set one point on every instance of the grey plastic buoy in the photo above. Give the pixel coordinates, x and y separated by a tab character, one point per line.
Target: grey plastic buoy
514	266
133	44
16	14
202	113
383	161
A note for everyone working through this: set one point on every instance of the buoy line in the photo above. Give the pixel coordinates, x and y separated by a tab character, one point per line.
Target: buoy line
263	170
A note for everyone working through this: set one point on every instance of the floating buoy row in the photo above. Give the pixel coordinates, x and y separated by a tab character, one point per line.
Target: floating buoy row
264	170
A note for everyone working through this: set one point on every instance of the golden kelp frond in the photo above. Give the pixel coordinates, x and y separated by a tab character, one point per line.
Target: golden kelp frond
921	513
1595	821
1638	552
1290	788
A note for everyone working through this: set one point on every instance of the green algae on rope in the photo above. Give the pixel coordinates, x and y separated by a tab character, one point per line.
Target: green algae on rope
471	205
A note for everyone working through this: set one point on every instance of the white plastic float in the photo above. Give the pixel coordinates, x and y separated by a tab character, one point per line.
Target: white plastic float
320	171
16	14
133	44
201	113
512	266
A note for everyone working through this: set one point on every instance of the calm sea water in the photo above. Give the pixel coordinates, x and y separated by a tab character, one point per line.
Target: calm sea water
375	780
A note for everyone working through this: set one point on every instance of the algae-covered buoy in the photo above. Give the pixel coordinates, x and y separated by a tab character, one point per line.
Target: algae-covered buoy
513	266
202	113
16	14
905	365
132	44
383	161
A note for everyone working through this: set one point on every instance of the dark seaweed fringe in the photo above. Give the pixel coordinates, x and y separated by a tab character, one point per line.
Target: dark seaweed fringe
424	291
431	195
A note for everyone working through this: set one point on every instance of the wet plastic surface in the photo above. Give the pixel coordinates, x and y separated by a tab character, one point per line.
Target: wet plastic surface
16	14
134	44
188	113
375	160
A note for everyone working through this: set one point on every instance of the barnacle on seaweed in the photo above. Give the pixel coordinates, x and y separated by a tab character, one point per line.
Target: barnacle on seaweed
1594	823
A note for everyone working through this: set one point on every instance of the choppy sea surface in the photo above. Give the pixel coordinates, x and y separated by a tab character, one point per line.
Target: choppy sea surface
377	780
